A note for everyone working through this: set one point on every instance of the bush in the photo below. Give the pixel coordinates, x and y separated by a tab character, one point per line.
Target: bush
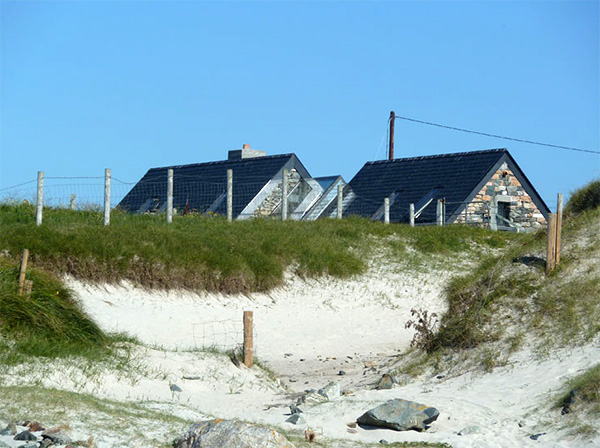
585	198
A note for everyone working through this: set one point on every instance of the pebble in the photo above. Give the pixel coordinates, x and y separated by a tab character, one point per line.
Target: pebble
341	372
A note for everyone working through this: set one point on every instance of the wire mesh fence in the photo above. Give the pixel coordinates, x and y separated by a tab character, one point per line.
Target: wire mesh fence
284	197
221	335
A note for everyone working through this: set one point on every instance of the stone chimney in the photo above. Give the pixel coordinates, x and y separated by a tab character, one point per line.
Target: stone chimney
245	153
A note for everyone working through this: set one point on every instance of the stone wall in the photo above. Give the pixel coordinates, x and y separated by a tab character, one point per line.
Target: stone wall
506	188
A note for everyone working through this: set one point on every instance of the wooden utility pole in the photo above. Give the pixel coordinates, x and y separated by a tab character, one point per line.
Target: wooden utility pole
392	122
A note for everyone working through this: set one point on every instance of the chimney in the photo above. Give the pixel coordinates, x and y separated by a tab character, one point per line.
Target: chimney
245	153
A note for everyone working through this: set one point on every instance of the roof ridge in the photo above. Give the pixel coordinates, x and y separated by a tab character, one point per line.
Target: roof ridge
437	156
219	162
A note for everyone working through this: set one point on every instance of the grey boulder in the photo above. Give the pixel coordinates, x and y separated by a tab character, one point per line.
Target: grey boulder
231	434
401	415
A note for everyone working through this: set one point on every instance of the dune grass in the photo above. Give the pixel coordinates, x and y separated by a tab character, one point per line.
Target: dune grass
208	253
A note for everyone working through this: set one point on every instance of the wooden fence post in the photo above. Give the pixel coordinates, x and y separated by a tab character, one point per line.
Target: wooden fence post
40	198
229	195
23	272
559	213
248	341
411	211
551	248
169	195
340	201
284	196
107	196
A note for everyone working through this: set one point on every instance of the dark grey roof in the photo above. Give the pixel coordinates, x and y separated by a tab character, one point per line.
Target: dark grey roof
457	178
203	186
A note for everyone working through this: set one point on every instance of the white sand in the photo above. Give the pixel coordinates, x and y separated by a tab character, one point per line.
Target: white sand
307	332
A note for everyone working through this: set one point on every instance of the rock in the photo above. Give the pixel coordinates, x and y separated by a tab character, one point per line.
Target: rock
472	429
401	415
537	436
297	419
10	430
331	391
28	445
4	445
26	435
341	372
175	388
386	382
295	409
57	436
231	434
384	442
36	426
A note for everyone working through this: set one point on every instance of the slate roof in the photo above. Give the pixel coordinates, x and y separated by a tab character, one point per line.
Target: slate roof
203	186
457	178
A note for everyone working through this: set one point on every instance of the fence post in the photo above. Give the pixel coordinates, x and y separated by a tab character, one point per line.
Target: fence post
40	198
284	194
340	201
107	196
551	247
386	210
72	204
169	196
438	213
559	213
248	342
23	271
229	195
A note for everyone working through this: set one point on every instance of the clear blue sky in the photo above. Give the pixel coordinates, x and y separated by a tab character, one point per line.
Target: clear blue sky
88	85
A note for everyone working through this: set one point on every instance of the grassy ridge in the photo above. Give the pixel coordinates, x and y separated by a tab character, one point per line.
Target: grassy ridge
211	254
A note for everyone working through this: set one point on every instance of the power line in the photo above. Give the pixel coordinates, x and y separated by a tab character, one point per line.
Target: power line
496	136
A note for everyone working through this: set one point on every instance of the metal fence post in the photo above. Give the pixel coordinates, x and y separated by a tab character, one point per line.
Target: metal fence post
340	201
438	213
284	194
386	210
229	195
72	204
107	196
169	196
40	198
412	214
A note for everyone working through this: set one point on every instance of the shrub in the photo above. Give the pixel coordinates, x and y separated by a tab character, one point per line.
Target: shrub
585	198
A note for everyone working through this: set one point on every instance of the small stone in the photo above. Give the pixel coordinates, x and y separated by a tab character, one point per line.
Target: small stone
384	442
302	359
26	436
351	425
10	430
57	436
36	426
341	373
287	355
296	419
175	388
386	382
293	380
472	429
295	409
28	445
537	436
441	377
331	391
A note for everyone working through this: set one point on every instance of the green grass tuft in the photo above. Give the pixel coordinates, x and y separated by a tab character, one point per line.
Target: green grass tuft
585	198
